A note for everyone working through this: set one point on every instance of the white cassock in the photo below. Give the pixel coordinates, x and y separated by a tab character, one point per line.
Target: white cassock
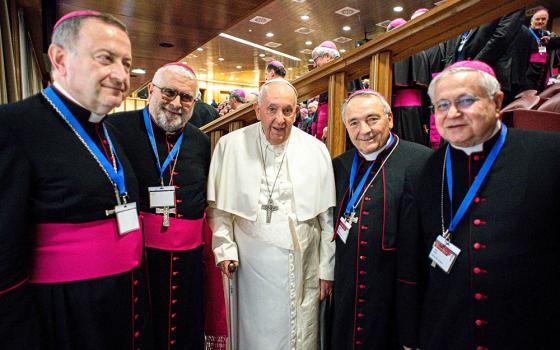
281	262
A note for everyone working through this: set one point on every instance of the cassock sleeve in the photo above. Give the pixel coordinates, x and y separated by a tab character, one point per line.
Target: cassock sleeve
506	30
410	269
327	246
223	243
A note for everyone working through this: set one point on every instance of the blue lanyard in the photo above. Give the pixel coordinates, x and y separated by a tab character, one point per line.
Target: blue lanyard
535	36
116	176
483	172
171	154
356	192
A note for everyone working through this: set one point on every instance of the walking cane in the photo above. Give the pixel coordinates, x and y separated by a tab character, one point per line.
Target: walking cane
232	299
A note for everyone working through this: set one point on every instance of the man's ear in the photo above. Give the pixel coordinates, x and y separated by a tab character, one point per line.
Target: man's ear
498	99
257	111
57	55
150	89
390	117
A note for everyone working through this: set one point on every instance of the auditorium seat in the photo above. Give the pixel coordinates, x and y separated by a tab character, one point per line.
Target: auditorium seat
550	91
525	102
526	93
551	105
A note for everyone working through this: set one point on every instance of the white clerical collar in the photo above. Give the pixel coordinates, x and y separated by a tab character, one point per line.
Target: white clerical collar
373	156
94	117
478	148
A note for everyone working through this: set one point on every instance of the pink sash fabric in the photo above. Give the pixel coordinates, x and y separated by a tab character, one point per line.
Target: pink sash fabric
435	137
538	58
180	235
74	252
322	119
407	98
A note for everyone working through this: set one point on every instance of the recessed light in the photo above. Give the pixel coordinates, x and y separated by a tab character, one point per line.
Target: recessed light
297	76
166	45
305	17
238	67
342	50
310	60
270	35
397	8
200	49
250	30
346	28
290	68
220	58
262	55
138	71
308	42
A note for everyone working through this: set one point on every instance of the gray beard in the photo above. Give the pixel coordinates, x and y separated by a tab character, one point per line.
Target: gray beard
161	121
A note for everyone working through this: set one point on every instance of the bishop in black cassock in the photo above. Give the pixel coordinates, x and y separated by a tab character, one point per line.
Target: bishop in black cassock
501	292
174	252
84	279
364	289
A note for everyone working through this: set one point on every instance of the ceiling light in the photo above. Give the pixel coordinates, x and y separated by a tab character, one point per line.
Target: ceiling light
342	50
220	58
200	49
308	42
262	55
290	68
310	60
346	28
397	8
260	47
184	62
270	35
297	76
238	67
138	71
250	30
305	17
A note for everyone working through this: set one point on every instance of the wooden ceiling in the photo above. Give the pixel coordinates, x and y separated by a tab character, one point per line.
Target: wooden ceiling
192	25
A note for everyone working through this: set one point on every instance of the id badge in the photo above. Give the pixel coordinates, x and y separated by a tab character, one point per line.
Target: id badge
162	196
127	218
542	49
343	229
444	253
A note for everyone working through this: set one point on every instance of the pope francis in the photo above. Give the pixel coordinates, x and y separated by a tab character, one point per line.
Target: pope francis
271	192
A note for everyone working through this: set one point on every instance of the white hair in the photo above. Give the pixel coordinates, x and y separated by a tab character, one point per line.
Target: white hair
276	81
386	106
320	51
486	82
158	77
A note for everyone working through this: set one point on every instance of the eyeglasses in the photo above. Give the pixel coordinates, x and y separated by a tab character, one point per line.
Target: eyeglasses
287	112
170	94
462	103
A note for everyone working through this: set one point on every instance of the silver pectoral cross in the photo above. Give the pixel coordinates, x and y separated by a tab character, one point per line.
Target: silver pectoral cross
269	208
352	218
166	211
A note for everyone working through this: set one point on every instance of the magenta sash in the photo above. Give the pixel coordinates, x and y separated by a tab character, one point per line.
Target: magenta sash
74	252
407	98
180	235
538	58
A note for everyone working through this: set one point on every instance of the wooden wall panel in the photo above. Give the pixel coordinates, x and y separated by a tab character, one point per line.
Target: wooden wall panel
336	140
381	74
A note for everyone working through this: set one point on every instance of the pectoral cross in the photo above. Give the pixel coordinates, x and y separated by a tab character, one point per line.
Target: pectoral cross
269	208
352	218
166	211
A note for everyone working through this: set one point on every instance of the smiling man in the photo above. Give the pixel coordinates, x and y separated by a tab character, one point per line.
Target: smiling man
171	157
70	194
475	266
370	181
273	224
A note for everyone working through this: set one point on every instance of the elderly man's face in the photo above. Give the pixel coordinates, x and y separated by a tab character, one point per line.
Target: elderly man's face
319	61
473	122
171	114
312	109
97	70
367	124
277	112
539	20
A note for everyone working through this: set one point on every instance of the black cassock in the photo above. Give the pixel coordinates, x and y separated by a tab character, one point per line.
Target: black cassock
502	292
175	276
56	180
364	289
410	104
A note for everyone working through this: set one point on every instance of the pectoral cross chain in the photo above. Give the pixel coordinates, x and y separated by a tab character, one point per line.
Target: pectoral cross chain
166	211
269	208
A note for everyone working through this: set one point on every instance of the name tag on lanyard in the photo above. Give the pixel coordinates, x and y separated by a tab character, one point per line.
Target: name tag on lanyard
444	254
343	229
542	50
127	218
162	196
